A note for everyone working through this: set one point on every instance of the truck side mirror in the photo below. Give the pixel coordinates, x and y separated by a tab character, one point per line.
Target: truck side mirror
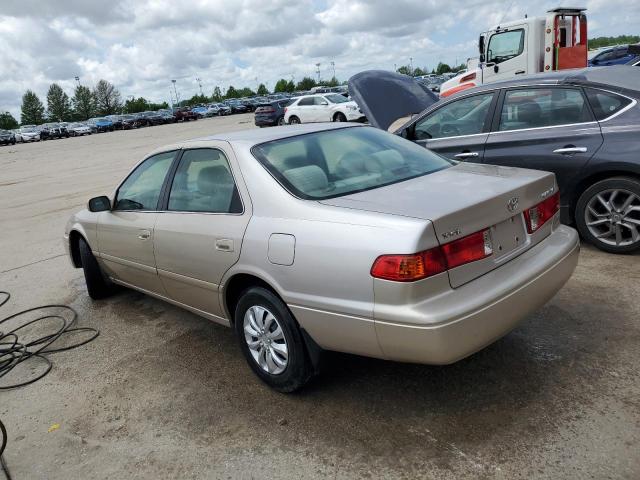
496	68
482	58
99	204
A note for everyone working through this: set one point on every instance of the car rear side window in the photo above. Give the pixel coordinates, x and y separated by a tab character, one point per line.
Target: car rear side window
141	190
339	162
203	183
605	104
305	102
543	107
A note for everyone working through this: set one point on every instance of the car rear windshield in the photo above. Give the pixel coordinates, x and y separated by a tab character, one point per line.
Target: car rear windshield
333	163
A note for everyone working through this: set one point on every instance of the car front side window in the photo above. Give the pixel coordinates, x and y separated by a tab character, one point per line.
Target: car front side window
141	190
203	183
466	116
506	45
543	107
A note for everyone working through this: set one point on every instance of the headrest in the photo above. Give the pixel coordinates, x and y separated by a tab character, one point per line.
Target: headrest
210	178
307	179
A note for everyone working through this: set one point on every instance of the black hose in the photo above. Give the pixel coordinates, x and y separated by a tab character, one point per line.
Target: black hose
15	351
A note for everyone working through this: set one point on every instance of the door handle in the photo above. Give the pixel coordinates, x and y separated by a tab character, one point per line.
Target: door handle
224	244
520	72
570	150
144	235
467	155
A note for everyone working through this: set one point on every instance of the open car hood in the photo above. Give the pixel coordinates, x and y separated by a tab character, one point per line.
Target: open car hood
385	97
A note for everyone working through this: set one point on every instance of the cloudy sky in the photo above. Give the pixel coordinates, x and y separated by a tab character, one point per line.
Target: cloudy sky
141	45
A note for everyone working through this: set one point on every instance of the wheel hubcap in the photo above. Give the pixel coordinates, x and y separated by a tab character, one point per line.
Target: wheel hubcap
265	340
613	217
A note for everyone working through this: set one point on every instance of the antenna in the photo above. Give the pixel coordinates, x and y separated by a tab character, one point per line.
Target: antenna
505	12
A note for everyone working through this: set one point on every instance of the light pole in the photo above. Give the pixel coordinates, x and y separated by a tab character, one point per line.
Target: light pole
411	65
333	67
200	83
78	80
175	91
318	71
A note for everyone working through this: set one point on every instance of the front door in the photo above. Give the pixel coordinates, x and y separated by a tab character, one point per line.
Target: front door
198	236
458	129
125	234
506	55
545	128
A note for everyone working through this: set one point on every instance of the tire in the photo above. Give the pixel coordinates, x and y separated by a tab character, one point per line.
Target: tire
339	117
280	121
293	120
293	370
98	286
606	217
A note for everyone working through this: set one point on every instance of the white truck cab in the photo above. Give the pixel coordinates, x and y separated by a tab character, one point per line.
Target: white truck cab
531	45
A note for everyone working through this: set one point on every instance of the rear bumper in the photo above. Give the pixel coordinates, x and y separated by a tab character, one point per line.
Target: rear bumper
453	325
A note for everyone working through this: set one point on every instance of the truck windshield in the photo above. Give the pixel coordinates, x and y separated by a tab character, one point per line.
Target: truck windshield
506	45
332	163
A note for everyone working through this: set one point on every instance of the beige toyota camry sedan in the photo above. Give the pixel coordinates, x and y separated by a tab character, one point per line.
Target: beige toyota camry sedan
330	237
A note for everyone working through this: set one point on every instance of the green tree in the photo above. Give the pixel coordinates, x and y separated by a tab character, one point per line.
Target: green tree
197	99
107	98
58	104
332	83
245	92
307	83
419	71
442	68
600	42
136	105
404	69
262	89
83	102
231	92
7	121
217	94
32	109
284	85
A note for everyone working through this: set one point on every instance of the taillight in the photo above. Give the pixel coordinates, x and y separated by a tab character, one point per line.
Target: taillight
285	109
409	268
468	249
468	78
537	216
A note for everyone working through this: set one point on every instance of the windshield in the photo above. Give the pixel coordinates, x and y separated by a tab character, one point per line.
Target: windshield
333	163
336	98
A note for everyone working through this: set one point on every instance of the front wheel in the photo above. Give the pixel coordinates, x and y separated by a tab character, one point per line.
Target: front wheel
339	117
98	286
608	215
271	341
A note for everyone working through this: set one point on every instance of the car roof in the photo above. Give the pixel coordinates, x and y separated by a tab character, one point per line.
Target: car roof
616	76
251	137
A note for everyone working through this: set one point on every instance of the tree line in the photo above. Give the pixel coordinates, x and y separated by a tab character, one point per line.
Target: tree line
600	42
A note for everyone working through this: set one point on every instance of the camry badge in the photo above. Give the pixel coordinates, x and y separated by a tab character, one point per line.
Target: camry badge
512	204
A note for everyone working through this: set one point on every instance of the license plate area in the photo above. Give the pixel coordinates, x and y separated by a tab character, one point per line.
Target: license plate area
508	236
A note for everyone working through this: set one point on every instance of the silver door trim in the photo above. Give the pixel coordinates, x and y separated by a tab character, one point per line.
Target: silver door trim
542	128
126	263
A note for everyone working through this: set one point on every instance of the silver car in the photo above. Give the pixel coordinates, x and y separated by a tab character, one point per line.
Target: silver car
330	237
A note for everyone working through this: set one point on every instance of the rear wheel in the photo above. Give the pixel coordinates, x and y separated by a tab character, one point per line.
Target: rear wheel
293	120
271	341
608	215
281	121
98	285
339	117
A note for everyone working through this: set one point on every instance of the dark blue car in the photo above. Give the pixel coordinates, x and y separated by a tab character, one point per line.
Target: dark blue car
271	113
619	55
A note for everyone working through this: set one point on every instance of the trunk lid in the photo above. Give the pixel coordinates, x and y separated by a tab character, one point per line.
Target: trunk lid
385	97
462	200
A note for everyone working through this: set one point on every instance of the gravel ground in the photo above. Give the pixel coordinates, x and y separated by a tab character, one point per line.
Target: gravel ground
163	393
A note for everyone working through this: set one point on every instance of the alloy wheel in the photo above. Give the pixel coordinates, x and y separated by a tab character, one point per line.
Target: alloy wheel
265	339
613	217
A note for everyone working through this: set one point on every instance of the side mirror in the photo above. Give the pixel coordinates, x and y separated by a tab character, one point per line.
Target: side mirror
496	68
482	58
99	204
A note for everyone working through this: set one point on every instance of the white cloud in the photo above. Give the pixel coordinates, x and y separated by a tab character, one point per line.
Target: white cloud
140	46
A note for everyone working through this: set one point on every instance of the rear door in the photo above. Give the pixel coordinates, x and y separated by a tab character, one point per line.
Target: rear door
304	110
458	129
199	232
544	128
